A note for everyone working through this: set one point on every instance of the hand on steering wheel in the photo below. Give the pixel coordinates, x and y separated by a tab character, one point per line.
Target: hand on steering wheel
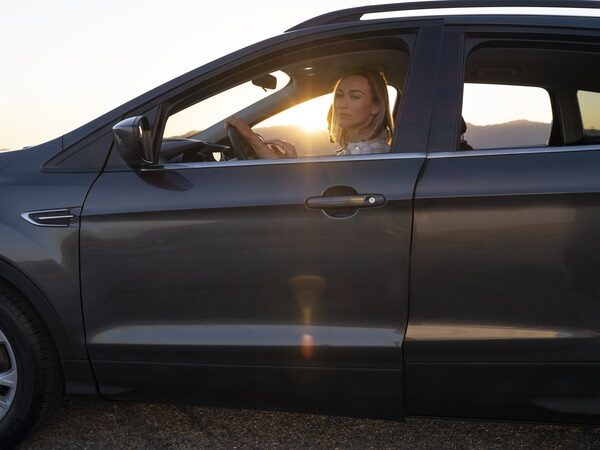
238	132
248	145
282	149
241	148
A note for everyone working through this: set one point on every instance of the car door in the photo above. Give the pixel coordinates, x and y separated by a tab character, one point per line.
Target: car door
203	278
505	317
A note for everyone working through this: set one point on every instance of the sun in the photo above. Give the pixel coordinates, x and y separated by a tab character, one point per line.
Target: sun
310	115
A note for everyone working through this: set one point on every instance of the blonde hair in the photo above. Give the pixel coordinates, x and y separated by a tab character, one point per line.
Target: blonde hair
382	120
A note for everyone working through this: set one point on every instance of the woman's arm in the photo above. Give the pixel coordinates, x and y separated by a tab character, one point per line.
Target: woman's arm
275	148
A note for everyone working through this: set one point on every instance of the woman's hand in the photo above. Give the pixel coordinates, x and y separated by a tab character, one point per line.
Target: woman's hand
245	131
274	148
283	148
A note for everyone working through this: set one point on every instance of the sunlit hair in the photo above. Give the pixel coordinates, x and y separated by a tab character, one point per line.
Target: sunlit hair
383	119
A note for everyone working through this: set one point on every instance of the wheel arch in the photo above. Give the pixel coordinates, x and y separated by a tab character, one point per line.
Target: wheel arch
14	277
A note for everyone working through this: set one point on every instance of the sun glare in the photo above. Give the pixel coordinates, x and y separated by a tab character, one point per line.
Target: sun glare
310	115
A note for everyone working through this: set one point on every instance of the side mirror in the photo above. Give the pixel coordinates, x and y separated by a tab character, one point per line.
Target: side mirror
133	139
266	81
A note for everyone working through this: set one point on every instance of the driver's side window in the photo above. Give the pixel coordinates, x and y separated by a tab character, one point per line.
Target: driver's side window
307	126
340	104
203	120
194	119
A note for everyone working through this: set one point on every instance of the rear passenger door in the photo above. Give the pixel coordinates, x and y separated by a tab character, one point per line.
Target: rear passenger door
505	291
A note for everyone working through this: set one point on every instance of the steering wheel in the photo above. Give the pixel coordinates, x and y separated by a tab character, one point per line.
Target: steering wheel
241	148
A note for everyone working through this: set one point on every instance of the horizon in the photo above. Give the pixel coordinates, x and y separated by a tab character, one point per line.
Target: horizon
319	130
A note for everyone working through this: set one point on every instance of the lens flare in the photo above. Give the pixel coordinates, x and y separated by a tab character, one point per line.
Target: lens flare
307	346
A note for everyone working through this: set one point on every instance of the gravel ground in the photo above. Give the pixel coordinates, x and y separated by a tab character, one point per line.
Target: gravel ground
92	423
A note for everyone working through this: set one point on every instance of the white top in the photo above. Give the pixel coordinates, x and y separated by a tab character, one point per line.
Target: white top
376	145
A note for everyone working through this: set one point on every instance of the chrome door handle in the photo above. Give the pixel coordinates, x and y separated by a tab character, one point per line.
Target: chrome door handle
345	201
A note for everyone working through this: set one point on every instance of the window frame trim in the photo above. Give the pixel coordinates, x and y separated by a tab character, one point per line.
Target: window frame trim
512	151
581	110
408	34
468	37
283	161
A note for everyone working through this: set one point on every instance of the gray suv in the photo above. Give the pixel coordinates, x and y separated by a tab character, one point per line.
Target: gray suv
150	254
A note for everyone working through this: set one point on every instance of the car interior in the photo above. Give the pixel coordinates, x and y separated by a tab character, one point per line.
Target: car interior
309	79
552	67
548	66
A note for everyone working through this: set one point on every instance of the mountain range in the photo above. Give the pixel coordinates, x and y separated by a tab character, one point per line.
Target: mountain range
518	133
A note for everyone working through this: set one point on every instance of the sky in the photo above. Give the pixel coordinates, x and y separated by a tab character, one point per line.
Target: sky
65	62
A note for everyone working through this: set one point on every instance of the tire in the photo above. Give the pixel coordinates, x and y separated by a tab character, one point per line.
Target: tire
31	381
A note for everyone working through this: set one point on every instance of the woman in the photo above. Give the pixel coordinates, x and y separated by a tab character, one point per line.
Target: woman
359	119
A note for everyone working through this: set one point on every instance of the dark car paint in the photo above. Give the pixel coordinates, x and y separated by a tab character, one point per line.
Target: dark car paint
88	155
43	262
225	266
47	255
6	157
472	378
503	309
250	316
510	243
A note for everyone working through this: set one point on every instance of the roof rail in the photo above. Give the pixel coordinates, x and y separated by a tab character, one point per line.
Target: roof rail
355	14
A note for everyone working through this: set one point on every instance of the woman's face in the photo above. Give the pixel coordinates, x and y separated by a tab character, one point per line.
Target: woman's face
354	104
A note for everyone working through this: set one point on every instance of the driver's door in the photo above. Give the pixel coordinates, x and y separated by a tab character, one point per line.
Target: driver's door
207	278
224	277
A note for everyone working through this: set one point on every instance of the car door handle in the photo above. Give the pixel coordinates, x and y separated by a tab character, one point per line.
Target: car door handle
345	201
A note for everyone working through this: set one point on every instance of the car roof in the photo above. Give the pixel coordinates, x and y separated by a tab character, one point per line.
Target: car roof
429	8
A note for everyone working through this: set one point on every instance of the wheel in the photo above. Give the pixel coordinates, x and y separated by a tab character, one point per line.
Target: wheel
30	377
241	149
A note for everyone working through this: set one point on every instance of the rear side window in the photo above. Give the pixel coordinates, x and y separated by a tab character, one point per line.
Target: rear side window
505	116
531	94
589	107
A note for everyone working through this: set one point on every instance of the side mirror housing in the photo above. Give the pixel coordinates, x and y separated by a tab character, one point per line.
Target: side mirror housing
133	139
266	81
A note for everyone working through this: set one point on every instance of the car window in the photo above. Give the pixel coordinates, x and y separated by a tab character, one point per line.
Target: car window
530	94
505	116
198	117
589	106
306	125
293	120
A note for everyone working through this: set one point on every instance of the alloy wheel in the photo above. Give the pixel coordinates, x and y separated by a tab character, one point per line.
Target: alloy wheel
8	375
